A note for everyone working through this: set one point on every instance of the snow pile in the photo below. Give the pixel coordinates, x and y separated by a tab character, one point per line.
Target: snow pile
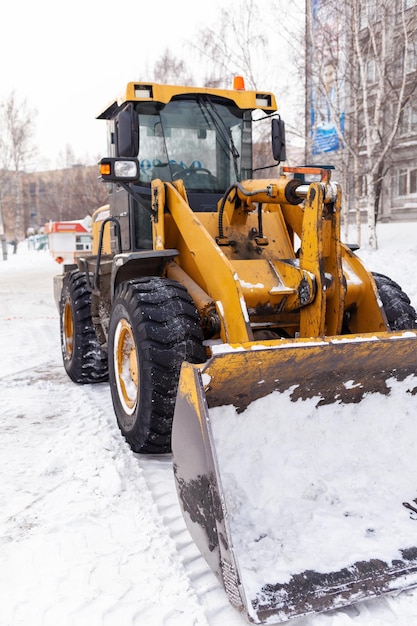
310	488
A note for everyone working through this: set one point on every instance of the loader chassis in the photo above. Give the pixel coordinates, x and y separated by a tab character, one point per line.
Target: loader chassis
210	289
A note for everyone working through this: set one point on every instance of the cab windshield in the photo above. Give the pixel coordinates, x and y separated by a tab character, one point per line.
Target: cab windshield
203	141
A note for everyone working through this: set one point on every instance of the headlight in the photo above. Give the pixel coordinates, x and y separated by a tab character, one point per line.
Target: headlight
126	169
119	169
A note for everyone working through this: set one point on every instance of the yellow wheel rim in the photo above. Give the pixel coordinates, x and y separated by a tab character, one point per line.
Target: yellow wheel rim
67	330
126	366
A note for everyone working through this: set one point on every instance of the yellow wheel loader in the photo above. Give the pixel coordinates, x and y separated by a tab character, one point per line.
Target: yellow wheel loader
238	333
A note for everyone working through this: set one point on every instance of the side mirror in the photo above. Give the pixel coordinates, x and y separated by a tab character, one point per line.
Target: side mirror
127	132
278	139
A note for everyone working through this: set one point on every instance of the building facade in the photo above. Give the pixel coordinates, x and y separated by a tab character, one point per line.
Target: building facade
361	88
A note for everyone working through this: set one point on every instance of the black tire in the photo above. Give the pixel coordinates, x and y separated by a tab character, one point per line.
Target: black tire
84	360
401	315
154	327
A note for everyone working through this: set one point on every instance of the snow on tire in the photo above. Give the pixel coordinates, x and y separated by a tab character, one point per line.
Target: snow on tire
154	327
401	315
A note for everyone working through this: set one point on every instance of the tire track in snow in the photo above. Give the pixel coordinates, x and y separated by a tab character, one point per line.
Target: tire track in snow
137	468
40	338
158	475
82	543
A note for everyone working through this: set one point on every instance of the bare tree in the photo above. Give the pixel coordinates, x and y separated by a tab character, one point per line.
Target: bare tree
93	192
256	39
236	44
66	158
385	86
363	51
16	131
169	69
70	193
5	186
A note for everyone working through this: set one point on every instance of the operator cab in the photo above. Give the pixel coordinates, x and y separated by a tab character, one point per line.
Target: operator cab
202	136
198	139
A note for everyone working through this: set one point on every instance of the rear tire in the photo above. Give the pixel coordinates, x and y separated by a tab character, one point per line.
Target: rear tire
401	315
84	360
154	327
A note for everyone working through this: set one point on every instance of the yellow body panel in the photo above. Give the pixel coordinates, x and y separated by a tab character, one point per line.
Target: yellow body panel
253	277
98	218
208	266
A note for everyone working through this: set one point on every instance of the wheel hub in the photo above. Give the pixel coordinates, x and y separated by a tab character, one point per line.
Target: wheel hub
126	366
67	330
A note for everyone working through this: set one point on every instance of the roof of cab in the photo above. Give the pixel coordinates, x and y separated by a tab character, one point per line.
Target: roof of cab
141	92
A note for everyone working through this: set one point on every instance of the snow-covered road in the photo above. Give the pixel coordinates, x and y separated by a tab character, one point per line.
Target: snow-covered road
90	533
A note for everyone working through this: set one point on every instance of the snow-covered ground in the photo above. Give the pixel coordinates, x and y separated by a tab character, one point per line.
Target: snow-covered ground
90	533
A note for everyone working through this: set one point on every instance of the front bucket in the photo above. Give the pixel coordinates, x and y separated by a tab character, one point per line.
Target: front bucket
296	470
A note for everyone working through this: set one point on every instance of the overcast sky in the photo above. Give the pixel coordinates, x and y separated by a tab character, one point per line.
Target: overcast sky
70	59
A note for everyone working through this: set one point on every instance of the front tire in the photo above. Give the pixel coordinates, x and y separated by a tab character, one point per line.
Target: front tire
84	360
154	328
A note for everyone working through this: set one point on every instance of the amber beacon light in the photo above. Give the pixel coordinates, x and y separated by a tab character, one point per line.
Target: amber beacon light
239	83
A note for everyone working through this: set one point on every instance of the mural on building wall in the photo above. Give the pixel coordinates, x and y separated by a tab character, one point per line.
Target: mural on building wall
327	115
